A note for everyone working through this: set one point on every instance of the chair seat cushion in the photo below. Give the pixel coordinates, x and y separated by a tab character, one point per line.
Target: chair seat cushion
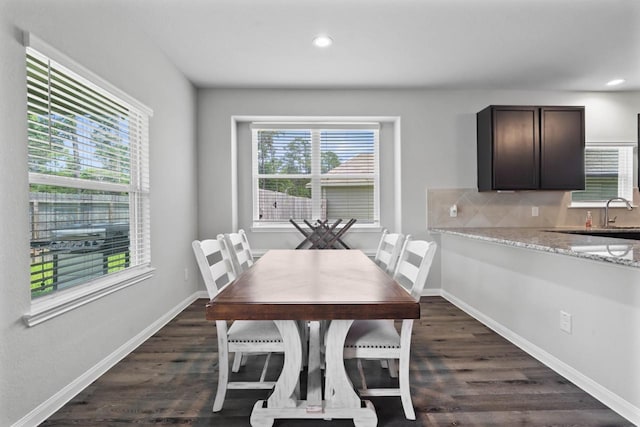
253	331
373	334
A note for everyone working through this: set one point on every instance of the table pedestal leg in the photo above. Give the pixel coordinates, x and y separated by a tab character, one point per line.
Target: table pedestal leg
340	396
340	400
285	392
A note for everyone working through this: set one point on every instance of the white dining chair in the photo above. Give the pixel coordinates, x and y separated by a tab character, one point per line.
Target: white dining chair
388	250
241	259
240	250
379	339
243	336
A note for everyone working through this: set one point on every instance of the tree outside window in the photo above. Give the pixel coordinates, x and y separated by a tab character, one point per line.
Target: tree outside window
315	173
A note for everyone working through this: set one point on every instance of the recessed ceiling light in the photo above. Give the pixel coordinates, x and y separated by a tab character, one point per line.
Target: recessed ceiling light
615	82
322	41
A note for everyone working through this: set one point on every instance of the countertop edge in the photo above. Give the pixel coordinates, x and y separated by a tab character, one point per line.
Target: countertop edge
549	241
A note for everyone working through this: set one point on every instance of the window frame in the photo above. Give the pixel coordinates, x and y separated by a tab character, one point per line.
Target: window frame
315	176
61	301
622	192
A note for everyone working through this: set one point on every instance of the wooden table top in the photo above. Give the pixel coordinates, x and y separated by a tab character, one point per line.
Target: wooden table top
313	285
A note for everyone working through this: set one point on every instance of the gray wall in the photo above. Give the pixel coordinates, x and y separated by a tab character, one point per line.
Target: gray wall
38	362
519	292
438	144
192	197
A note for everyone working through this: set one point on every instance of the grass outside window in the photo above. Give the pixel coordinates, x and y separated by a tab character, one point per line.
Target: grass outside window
42	274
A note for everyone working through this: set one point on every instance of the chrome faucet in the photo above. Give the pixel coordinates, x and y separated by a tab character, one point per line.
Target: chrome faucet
608	221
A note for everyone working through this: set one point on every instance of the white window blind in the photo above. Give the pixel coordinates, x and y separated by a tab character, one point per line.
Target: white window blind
315	171
609	173
88	175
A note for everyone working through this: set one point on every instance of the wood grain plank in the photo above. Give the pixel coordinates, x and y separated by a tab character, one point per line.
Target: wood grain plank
461	374
313	285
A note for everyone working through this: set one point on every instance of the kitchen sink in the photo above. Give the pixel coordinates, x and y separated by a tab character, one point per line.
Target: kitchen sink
631	233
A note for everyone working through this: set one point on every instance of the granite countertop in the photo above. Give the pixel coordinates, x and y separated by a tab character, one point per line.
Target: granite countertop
606	249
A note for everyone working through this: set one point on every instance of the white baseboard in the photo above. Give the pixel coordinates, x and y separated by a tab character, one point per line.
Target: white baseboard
612	400
200	294
604	395
58	400
432	292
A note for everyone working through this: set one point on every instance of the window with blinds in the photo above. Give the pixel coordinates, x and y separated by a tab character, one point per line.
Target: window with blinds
88	176
315	171
609	173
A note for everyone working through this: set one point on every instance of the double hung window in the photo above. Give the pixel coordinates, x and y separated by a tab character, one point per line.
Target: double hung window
88	178
609	173
325	171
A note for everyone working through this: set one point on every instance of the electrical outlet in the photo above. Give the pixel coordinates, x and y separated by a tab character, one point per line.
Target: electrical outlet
565	322
534	211
453	211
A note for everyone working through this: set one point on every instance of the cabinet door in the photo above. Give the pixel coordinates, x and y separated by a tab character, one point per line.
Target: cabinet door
515	145
562	148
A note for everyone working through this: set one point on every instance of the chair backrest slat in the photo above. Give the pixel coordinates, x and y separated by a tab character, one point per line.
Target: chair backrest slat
240	250
388	250
414	264
214	262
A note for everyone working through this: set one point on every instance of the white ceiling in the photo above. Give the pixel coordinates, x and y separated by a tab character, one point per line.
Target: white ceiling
442	44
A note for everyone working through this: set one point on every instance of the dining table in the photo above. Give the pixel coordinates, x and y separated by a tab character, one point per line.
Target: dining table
317	288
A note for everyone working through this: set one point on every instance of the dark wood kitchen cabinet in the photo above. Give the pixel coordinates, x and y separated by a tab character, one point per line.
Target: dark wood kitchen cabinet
530	148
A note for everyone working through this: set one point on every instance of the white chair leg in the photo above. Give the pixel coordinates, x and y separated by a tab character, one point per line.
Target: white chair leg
363	379
405	390
263	375
223	376
324	327
304	336
237	360
393	368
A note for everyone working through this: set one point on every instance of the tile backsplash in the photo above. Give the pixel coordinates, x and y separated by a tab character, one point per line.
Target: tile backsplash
514	209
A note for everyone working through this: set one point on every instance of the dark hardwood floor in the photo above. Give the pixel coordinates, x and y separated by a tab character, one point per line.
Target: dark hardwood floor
462	374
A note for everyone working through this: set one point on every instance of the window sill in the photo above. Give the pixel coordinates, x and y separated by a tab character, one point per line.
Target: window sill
48	307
